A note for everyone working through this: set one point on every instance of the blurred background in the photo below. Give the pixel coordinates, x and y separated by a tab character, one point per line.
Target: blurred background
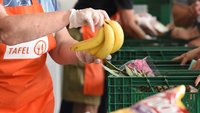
173	35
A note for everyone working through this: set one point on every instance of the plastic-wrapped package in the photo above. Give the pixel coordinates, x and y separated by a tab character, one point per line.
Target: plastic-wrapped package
150	24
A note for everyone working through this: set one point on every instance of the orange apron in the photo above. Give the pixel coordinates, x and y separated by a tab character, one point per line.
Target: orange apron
94	73
25	82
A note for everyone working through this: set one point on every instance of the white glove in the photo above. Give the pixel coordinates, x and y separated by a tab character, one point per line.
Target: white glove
93	18
197	7
88	58
148	37
148	21
151	23
2	12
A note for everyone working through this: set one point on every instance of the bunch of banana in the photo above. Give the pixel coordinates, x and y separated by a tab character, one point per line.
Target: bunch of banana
107	40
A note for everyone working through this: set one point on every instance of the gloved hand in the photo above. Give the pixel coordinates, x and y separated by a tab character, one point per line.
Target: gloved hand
2	12
88	58
197	8
146	20
150	24
88	16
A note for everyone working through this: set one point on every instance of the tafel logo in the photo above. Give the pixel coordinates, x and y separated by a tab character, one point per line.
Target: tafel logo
40	47
27	50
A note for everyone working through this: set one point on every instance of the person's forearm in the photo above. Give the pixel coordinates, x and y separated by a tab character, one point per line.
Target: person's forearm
20	28
128	21
195	53
132	29
136	31
183	15
198	50
62	53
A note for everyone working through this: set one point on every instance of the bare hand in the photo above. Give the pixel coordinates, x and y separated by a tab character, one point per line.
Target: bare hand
196	66
192	54
128	21
197	80
185	33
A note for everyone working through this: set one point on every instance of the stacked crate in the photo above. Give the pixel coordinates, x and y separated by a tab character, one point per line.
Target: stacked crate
121	90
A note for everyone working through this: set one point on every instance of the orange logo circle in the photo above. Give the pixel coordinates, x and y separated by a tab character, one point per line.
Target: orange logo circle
40	47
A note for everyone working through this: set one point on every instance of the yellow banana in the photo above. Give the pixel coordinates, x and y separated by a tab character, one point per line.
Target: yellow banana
108	44
90	43
94	50
119	35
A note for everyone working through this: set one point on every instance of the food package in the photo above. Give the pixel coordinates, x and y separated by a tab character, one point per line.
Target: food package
164	102
150	24
138	68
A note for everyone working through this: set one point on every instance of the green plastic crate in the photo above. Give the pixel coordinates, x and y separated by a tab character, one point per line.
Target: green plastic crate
122	93
161	41
156	53
169	68
146	43
167	64
160	65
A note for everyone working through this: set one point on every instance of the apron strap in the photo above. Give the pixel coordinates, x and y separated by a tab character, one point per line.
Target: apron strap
33	2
